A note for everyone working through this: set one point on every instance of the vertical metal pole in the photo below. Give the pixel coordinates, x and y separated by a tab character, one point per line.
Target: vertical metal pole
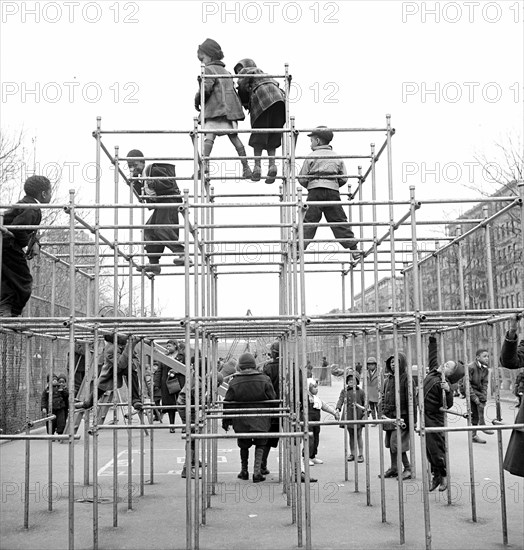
466	380
115	344
87	442
27	429
380	372
494	352
441	352
50	405
395	328
72	322
414	205
96	307
189	382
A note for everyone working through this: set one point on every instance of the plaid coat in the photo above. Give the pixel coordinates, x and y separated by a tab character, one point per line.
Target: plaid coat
258	94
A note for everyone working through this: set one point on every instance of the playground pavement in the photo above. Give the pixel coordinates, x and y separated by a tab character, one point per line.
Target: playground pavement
246	515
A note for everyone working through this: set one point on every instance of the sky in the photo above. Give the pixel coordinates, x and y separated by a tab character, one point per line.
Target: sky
449	73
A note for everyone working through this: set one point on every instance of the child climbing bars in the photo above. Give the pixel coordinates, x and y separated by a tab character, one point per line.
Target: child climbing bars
221	104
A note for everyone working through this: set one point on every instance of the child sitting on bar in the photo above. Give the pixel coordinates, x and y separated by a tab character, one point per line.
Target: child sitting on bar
437	383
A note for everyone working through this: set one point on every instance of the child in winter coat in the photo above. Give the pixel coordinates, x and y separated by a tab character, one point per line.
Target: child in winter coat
323	177
248	389
433	416
59	406
388	406
265	101
352	400
221	104
316	405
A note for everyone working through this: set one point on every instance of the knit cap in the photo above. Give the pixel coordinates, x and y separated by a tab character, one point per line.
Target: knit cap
212	48
246	361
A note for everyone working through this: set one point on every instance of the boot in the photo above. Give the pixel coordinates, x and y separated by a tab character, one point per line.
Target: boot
392	472
271	174
257	476
244	457
435	483
406	474
443	484
263	467
246	170
257	171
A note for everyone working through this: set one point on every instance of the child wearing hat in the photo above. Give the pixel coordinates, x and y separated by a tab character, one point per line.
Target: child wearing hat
323	177
316	405
352	401
373	378
162	227
222	106
248	389
59	404
264	100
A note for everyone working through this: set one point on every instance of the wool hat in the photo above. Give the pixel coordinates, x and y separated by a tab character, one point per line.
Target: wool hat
62	376
324	135
275	347
246	361
135	153
243	64
354	374
371	360
212	48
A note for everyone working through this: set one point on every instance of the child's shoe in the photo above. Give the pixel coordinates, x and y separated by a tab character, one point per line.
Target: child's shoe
244	474
435	483
257	173
351	458
152	268
179	260
271	174
360	458
443	484
317	461
311	463
406	474
390	473
246	172
257	478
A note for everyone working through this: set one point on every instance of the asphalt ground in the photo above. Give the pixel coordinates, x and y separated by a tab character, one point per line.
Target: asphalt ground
247	515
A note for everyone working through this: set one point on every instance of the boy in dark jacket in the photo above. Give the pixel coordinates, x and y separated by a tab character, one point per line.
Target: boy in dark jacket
322	177
388	407
59	406
248	389
434	387
161	191
17	281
